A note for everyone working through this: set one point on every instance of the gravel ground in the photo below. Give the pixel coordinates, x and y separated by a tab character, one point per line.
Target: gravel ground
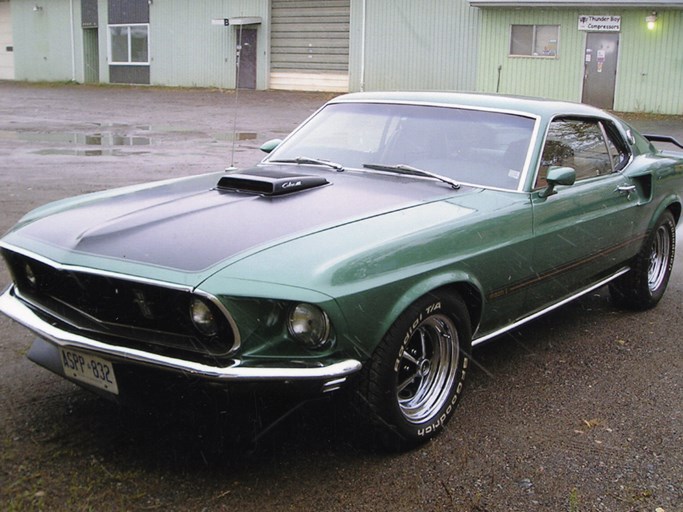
578	411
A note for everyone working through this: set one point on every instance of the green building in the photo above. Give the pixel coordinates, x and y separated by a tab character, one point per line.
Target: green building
624	55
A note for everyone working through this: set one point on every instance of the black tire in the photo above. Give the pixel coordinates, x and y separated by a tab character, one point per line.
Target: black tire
644	285
412	384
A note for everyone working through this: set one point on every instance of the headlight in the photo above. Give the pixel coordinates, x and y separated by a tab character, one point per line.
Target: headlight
203	318
309	325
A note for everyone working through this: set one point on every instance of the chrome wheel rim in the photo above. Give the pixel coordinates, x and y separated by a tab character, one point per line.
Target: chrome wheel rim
659	258
428	369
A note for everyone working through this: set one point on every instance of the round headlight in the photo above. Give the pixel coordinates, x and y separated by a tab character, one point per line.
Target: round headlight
309	324
202	317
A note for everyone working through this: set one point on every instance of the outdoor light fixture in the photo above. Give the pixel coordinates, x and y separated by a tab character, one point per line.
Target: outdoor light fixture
650	20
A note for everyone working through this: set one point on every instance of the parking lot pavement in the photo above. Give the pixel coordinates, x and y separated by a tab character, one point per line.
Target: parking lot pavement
657	124
580	410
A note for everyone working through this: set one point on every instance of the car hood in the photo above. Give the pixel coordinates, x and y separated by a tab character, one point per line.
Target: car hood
193	226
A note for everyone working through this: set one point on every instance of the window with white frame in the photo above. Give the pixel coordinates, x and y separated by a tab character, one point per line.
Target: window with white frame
534	40
129	44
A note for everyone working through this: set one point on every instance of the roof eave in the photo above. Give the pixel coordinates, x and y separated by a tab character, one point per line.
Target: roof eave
672	4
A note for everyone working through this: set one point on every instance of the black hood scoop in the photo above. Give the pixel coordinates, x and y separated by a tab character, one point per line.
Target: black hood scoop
269	183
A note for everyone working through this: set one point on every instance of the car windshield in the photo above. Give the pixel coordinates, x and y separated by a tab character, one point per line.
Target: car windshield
468	146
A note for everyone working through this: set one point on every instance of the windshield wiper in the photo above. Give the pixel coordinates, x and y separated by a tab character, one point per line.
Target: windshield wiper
307	160
413	171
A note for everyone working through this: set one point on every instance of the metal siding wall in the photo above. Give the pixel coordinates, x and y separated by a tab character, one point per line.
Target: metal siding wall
649	70
650	74
42	40
187	50
6	50
559	78
431	44
103	34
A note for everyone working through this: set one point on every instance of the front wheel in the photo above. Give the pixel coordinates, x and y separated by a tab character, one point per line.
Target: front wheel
644	285
411	385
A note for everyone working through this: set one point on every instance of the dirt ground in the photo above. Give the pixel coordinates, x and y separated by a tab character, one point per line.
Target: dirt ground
579	411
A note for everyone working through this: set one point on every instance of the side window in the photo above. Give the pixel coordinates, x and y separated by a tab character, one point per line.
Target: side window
579	144
618	148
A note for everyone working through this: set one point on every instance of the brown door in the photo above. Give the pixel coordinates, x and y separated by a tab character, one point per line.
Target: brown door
600	69
246	64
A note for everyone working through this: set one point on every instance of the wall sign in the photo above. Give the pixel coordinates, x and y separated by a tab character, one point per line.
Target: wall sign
600	23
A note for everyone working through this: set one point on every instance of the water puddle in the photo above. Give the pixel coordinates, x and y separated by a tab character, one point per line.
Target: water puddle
109	139
88	152
237	136
80	139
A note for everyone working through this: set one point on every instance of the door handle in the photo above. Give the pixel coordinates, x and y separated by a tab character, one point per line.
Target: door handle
626	189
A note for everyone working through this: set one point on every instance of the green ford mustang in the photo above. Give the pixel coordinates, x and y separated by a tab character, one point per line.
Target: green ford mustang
369	251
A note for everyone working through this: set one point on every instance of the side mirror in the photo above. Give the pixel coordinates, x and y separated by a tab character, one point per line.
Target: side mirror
557	176
269	146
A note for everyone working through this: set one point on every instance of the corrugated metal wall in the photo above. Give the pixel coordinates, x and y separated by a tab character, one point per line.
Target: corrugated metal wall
187	50
430	44
649	69
393	44
43	45
6	45
547	77
650	74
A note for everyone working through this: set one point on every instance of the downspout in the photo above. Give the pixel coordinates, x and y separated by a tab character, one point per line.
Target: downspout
73	43
362	49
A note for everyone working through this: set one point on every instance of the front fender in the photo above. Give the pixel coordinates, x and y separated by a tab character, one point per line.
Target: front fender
370	314
460	282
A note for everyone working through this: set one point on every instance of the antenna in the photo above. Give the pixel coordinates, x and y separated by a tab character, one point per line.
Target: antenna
235	102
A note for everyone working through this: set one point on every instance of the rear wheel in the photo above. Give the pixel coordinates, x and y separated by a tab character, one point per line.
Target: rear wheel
644	285
412	384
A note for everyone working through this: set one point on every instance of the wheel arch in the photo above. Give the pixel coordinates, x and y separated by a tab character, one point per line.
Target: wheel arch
675	208
471	296
671	204
465	286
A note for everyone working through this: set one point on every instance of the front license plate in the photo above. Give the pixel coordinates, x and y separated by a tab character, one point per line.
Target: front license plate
90	369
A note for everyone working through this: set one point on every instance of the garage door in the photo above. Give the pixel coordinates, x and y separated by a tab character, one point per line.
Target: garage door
310	45
6	49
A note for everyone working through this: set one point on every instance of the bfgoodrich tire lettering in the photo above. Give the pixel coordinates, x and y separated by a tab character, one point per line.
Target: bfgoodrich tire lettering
645	284
414	380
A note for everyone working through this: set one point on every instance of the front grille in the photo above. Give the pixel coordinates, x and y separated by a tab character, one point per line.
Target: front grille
118	311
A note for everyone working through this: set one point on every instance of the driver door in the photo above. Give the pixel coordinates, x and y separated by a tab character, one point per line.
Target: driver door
584	231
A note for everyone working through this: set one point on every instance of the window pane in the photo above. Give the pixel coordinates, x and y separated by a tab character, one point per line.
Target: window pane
138	43
119	44
590	151
479	147
521	40
577	144
546	40
618	149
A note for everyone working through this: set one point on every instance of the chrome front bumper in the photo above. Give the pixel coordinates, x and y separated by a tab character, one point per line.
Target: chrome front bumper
331	376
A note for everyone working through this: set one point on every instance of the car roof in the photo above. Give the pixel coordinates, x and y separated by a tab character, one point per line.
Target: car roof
544	108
